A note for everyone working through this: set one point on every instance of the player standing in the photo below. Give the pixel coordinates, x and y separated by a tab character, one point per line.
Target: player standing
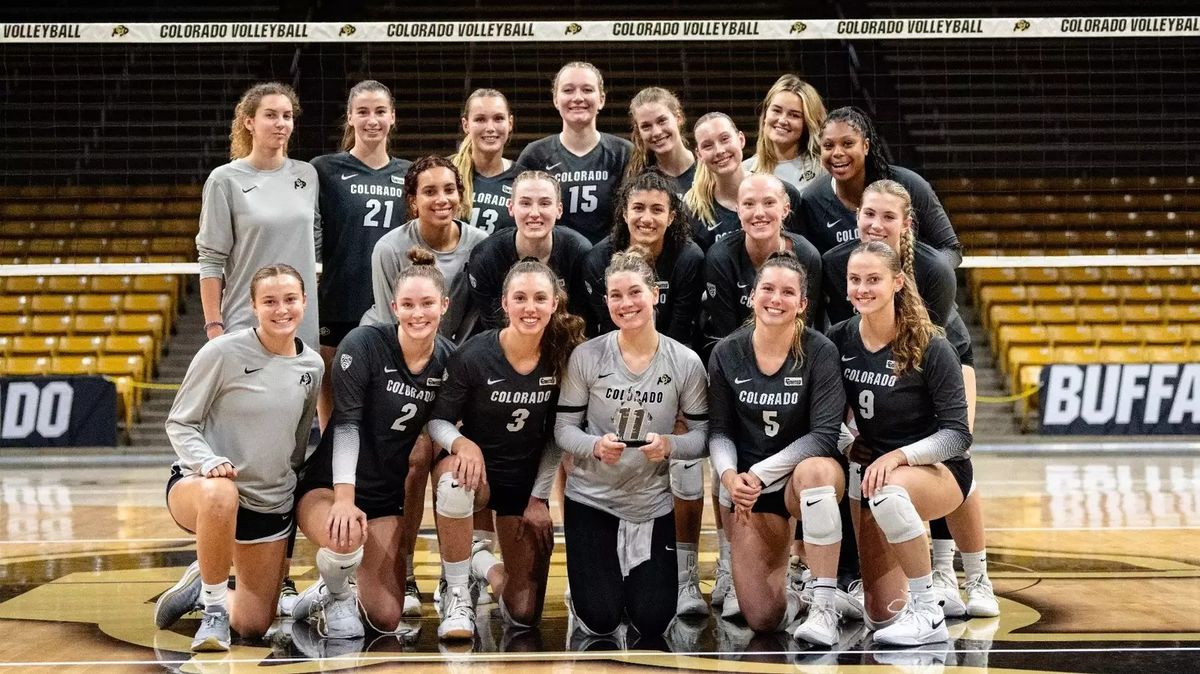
487	124
656	117
791	115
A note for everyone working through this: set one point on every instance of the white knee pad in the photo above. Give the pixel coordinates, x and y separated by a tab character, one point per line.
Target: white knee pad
854	484
821	517
896	515
687	479
453	500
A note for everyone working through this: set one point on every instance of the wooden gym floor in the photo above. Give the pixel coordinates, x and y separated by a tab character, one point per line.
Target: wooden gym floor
1096	559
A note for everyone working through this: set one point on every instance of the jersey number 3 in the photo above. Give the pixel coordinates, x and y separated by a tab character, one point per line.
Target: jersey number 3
518	422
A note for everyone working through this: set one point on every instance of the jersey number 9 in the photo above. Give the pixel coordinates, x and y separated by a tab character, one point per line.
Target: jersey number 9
866	404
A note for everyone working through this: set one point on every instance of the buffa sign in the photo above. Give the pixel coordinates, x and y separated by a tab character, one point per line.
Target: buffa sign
1126	399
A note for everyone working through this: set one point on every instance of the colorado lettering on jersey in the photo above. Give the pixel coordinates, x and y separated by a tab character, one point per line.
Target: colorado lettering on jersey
633	395
485	198
403	389
521	397
582	176
377	190
769	399
847	235
885	380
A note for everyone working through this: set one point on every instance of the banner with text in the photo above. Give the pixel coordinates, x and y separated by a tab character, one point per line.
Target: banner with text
1124	399
605	31
57	412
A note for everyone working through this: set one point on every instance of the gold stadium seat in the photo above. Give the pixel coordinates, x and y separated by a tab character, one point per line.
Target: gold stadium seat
94	324
101	228
67	284
1056	313
1142	313
16	305
1004	314
1038	275
1096	293
1108	335
993	276
173	245
1193	353
1177	353
1141	293
1002	294
27	366
1182	313
1008	336
25	285
121	365
95	303
1191	332
168	283
1157	335
1069	334
1047	294
1125	274
1123	354
14	325
1184	294
1078	275
141	324
1077	355
1022	357
137	345
110	284
151	303
58	324
80	345
73	365
52	304
5	345
30	345
1098	313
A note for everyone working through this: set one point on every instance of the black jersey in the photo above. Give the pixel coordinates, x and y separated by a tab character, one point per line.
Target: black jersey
935	283
893	412
826	221
765	413
680	272
589	183
729	276
508	414
727	222
491	260
358	206
374	390
490	199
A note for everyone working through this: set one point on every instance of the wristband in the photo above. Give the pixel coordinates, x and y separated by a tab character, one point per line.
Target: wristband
212	323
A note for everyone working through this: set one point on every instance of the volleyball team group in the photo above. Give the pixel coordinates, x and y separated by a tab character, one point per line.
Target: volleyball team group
595	319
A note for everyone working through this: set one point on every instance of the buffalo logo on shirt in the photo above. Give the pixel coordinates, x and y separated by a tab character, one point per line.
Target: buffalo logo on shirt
665	379
306	380
346	360
299	184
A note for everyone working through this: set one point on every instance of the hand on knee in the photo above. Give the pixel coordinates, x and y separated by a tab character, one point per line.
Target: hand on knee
219	494
896	515
821	516
453	500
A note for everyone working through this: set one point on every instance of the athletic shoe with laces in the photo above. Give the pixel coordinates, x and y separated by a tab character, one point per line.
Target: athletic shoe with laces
981	598
340	619
731	608
458	615
945	586
287	598
213	635
683	634
437	595
309	602
721	586
820	628
309	641
478	584
182	597
689	601
849	602
918	623
412	598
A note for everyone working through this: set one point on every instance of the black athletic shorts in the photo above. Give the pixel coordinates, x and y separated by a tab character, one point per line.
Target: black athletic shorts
772	503
333	332
252	526
507	499
963	472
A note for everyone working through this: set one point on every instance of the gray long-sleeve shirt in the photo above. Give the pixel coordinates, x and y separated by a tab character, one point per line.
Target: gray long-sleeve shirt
244	405
250	219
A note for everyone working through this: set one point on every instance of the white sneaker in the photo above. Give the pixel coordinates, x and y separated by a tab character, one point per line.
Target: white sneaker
340	619
730	608
412	598
945	585
287	598
918	623
689	600
721	587
458	615
820	628
981	599
309	602
849	602
479	585
683	635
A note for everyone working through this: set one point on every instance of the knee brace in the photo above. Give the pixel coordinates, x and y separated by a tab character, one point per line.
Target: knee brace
453	500
687	479
896	515
854	482
821	517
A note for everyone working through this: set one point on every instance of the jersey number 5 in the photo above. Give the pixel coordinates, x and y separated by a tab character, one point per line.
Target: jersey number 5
518	422
770	425
866	403
407	412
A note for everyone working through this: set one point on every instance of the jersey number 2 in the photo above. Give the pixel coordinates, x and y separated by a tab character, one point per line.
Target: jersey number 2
407	412
518	422
866	403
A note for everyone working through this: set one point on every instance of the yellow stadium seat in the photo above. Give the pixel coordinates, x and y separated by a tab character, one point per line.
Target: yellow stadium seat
73	365
1005	314
98	304
31	345
1125	274
1008	336
25	285
993	276
1193	352
1069	334
1041	294
100	228
121	365
5	345
1182	313
1096	293
157	284
1098	313
80	345
94	324
141	345
17	248
67	284
1077	355
16	305
52	304
1078	275
90	246
1029	355
1183	294
1177	353
1141	293
1123	354
141	324
1111	334
14	325
58	324
1142	313
1174	274
1038	275
146	303
1191	333
1055	313
111	284
1002	294
27	366
1169	335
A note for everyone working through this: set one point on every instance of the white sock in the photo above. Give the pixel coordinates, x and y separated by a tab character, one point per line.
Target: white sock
214	595
457	573
482	562
920	590
336	568
685	561
823	591
408	561
975	563
943	555
485	535
722	551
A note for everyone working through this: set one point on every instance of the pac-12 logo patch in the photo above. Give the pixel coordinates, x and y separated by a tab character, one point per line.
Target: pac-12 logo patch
433	381
793	381
397	179
346	360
